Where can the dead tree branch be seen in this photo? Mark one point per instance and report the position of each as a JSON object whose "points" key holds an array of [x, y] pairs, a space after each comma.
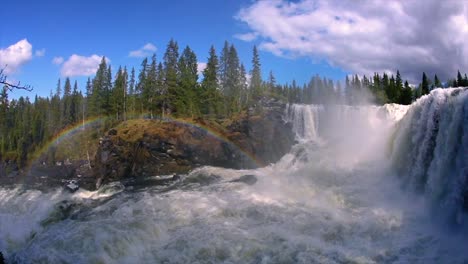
{"points": [[11, 86]]}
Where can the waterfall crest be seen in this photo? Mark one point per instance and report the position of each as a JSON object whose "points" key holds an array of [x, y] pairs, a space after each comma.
{"points": [[431, 149]]}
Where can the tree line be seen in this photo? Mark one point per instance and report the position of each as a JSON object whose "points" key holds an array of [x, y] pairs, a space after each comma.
{"points": [[172, 87]]}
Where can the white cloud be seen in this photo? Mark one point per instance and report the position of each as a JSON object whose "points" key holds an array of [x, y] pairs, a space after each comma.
{"points": [[57, 60], [247, 36], [15, 56], [365, 36], [200, 68], [147, 50], [40, 53], [78, 65]]}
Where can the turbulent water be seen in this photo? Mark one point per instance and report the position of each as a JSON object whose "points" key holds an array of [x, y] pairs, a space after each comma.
{"points": [[362, 185]]}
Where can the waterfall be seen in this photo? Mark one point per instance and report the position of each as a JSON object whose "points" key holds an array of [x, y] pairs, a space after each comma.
{"points": [[431, 150], [354, 134], [336, 197], [304, 119]]}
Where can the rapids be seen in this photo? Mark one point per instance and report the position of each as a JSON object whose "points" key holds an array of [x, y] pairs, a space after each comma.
{"points": [[363, 184]]}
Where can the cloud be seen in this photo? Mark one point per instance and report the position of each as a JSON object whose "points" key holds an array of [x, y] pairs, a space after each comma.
{"points": [[78, 65], [246, 37], [15, 56], [145, 51], [365, 36], [200, 68], [57, 60], [40, 53]]}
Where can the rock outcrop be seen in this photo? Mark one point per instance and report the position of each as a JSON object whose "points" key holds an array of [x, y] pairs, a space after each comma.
{"points": [[141, 148]]}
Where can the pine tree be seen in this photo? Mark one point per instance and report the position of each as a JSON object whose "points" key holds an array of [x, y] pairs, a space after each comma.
{"points": [[125, 93], [256, 80], [187, 102], [271, 83], [118, 94], [149, 87], [171, 70], [99, 93], [75, 102], [244, 97], [141, 84], [232, 87], [424, 85], [406, 95], [106, 106], [161, 90], [67, 120], [398, 86], [211, 98], [89, 92], [348, 91], [223, 67], [131, 93], [58, 91], [459, 80], [437, 83]]}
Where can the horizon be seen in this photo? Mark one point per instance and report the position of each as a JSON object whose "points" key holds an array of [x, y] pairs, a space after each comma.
{"points": [[296, 39]]}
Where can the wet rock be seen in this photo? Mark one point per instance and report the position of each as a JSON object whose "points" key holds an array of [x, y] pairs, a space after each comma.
{"points": [[112, 132], [153, 147], [247, 179], [72, 186]]}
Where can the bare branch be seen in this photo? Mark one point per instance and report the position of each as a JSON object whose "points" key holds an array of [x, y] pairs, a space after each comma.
{"points": [[10, 86]]}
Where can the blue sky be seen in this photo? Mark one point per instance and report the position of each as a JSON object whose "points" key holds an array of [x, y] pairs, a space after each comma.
{"points": [[113, 29], [296, 39]]}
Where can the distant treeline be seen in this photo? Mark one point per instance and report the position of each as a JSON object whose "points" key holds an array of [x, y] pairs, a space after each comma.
{"points": [[172, 87]]}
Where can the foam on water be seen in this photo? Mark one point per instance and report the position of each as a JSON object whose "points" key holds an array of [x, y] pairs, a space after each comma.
{"points": [[316, 205], [431, 151]]}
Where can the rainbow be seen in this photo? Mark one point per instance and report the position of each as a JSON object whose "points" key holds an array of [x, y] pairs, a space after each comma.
{"points": [[71, 130], [221, 138], [66, 132]]}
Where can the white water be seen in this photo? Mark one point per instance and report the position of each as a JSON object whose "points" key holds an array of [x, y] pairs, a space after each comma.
{"points": [[431, 151], [334, 198]]}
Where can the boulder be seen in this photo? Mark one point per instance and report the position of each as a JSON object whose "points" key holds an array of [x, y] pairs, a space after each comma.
{"points": [[143, 148]]}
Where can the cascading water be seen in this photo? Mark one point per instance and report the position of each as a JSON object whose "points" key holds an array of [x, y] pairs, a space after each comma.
{"points": [[305, 120], [333, 199], [431, 150]]}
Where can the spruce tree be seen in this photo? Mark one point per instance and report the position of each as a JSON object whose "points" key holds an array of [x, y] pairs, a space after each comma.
{"points": [[99, 85], [131, 93], [406, 95], [118, 94], [271, 83], [348, 91], [437, 83], [459, 79], [256, 79], [171, 70], [74, 108], [141, 84], [232, 86], [211, 99], [187, 101], [66, 101], [89, 92], [223, 67], [398, 86], [149, 87], [424, 85], [161, 90], [244, 98]]}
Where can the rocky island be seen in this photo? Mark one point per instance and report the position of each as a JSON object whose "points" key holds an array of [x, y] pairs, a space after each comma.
{"points": [[140, 148]]}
